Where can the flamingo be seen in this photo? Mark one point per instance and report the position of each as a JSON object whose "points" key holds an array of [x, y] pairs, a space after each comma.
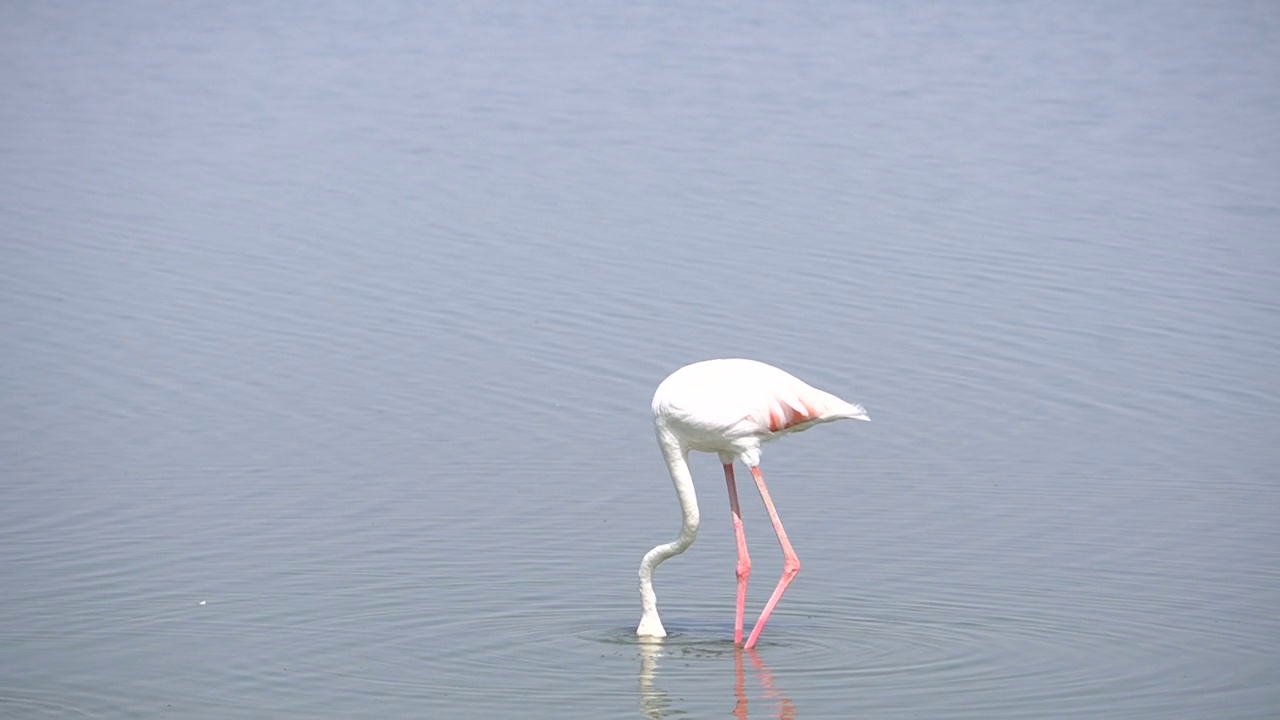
{"points": [[730, 407]]}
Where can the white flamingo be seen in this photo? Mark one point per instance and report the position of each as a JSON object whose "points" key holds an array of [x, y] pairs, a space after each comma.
{"points": [[730, 407]]}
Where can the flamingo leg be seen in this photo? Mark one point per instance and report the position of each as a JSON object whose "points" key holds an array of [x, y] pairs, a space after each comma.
{"points": [[790, 563], [744, 559]]}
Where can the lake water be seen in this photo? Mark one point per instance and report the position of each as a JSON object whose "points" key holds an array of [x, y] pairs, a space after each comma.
{"points": [[330, 330]]}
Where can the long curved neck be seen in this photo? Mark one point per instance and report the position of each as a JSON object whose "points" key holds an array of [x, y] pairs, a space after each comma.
{"points": [[675, 455]]}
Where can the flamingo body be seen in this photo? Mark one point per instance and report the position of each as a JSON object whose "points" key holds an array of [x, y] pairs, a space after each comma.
{"points": [[730, 407]]}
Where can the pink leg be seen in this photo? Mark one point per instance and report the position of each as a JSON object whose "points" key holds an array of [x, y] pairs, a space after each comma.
{"points": [[744, 560], [790, 563]]}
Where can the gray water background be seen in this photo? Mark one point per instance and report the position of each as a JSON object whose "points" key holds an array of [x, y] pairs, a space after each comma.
{"points": [[329, 333]]}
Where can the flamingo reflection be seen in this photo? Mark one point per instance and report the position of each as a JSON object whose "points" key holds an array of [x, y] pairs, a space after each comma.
{"points": [[656, 703]]}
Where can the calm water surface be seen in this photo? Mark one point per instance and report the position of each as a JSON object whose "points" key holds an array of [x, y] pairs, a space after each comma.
{"points": [[329, 335]]}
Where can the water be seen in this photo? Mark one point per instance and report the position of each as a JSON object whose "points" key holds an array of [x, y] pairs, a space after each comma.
{"points": [[329, 338]]}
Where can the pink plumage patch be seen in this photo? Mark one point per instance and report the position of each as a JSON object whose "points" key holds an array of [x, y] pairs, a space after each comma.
{"points": [[788, 413]]}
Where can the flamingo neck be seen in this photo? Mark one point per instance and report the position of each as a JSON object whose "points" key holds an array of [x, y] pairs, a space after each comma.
{"points": [[676, 457]]}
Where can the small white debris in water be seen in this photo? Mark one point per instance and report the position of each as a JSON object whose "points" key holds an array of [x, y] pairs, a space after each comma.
{"points": [[201, 602]]}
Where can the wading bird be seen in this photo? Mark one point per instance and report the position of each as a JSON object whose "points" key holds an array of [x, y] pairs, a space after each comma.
{"points": [[730, 407]]}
